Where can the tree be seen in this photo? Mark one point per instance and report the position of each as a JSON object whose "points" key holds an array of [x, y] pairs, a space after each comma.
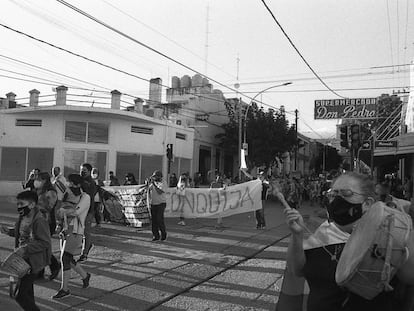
{"points": [[268, 134]]}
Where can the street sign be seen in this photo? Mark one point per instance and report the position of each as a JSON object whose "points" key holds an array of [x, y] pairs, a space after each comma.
{"points": [[366, 145], [385, 144], [349, 108]]}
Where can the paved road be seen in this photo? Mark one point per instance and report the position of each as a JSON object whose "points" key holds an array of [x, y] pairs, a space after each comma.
{"points": [[197, 268]]}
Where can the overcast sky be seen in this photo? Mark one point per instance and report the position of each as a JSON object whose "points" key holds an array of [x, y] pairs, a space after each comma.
{"points": [[343, 38]]}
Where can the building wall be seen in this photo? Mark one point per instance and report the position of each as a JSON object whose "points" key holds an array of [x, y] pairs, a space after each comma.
{"points": [[120, 139], [203, 108]]}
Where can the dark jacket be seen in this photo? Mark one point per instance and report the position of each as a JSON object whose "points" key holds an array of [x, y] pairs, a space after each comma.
{"points": [[38, 249], [90, 187]]}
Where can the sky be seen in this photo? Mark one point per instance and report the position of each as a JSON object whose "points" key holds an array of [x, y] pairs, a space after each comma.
{"points": [[360, 48]]}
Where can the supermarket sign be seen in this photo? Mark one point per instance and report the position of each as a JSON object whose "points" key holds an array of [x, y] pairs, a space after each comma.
{"points": [[350, 108]]}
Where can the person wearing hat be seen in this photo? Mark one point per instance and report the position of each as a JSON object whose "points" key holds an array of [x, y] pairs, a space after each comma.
{"points": [[157, 200]]}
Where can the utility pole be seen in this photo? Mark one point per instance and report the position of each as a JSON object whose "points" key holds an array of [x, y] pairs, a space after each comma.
{"points": [[296, 138], [206, 45], [240, 135]]}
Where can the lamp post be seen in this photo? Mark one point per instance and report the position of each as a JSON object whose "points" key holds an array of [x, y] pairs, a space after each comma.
{"points": [[251, 102]]}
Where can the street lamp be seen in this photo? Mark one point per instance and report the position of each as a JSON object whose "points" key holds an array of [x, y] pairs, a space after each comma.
{"points": [[251, 102]]}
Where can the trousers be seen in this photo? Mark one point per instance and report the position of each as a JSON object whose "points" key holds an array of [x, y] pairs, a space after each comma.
{"points": [[25, 294], [158, 224]]}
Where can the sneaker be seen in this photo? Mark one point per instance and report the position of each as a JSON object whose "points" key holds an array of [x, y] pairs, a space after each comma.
{"points": [[181, 223], [163, 238], [85, 281], [155, 239], [61, 293]]}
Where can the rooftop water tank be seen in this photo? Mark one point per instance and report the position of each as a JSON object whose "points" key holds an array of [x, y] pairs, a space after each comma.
{"points": [[175, 82], [186, 81], [197, 80], [205, 81]]}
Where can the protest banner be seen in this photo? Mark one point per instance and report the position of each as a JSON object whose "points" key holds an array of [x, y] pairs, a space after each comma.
{"points": [[132, 200], [191, 203], [214, 203]]}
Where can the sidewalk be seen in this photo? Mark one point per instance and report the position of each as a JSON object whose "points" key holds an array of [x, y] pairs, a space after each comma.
{"points": [[197, 268]]}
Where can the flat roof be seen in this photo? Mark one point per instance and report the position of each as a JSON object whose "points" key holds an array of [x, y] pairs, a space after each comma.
{"points": [[114, 113]]}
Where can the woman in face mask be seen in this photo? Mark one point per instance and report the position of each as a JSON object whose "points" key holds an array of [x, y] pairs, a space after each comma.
{"points": [[71, 238], [316, 258], [43, 186]]}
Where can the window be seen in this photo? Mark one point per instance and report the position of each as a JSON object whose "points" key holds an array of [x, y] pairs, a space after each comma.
{"points": [[180, 166], [28, 122], [86, 132], [142, 166], [185, 165], [73, 159], [13, 164], [75, 131], [17, 162], [97, 133], [127, 163], [142, 130], [150, 163], [180, 136], [98, 159], [41, 158]]}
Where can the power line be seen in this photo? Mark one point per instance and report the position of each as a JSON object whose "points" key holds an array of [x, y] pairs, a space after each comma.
{"points": [[287, 76], [51, 71], [165, 37], [30, 76], [296, 49], [327, 77], [95, 40], [344, 89], [145, 45], [114, 68]]}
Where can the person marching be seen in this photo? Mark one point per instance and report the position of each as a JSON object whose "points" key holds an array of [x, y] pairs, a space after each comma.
{"points": [[59, 182], [71, 238], [181, 185], [32, 243], [316, 258], [43, 188], [260, 218], [157, 199], [98, 196], [88, 186]]}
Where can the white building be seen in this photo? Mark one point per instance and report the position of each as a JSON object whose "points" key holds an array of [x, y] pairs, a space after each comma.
{"points": [[66, 136], [194, 103]]}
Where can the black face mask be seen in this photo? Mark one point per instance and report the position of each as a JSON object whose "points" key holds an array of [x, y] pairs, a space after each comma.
{"points": [[75, 190], [344, 213], [383, 197], [24, 210]]}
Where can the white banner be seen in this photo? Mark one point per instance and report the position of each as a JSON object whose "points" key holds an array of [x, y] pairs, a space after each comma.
{"points": [[216, 202], [194, 202]]}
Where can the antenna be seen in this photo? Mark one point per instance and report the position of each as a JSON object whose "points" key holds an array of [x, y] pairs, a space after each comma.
{"points": [[206, 43]]}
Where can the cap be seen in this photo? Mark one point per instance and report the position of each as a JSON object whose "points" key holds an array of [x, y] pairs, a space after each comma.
{"points": [[157, 173]]}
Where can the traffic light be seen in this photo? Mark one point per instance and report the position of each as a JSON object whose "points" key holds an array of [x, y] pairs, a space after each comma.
{"points": [[344, 136], [169, 151], [355, 136]]}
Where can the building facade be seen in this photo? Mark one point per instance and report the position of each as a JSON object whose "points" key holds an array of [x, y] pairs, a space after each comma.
{"points": [[64, 135], [192, 102]]}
